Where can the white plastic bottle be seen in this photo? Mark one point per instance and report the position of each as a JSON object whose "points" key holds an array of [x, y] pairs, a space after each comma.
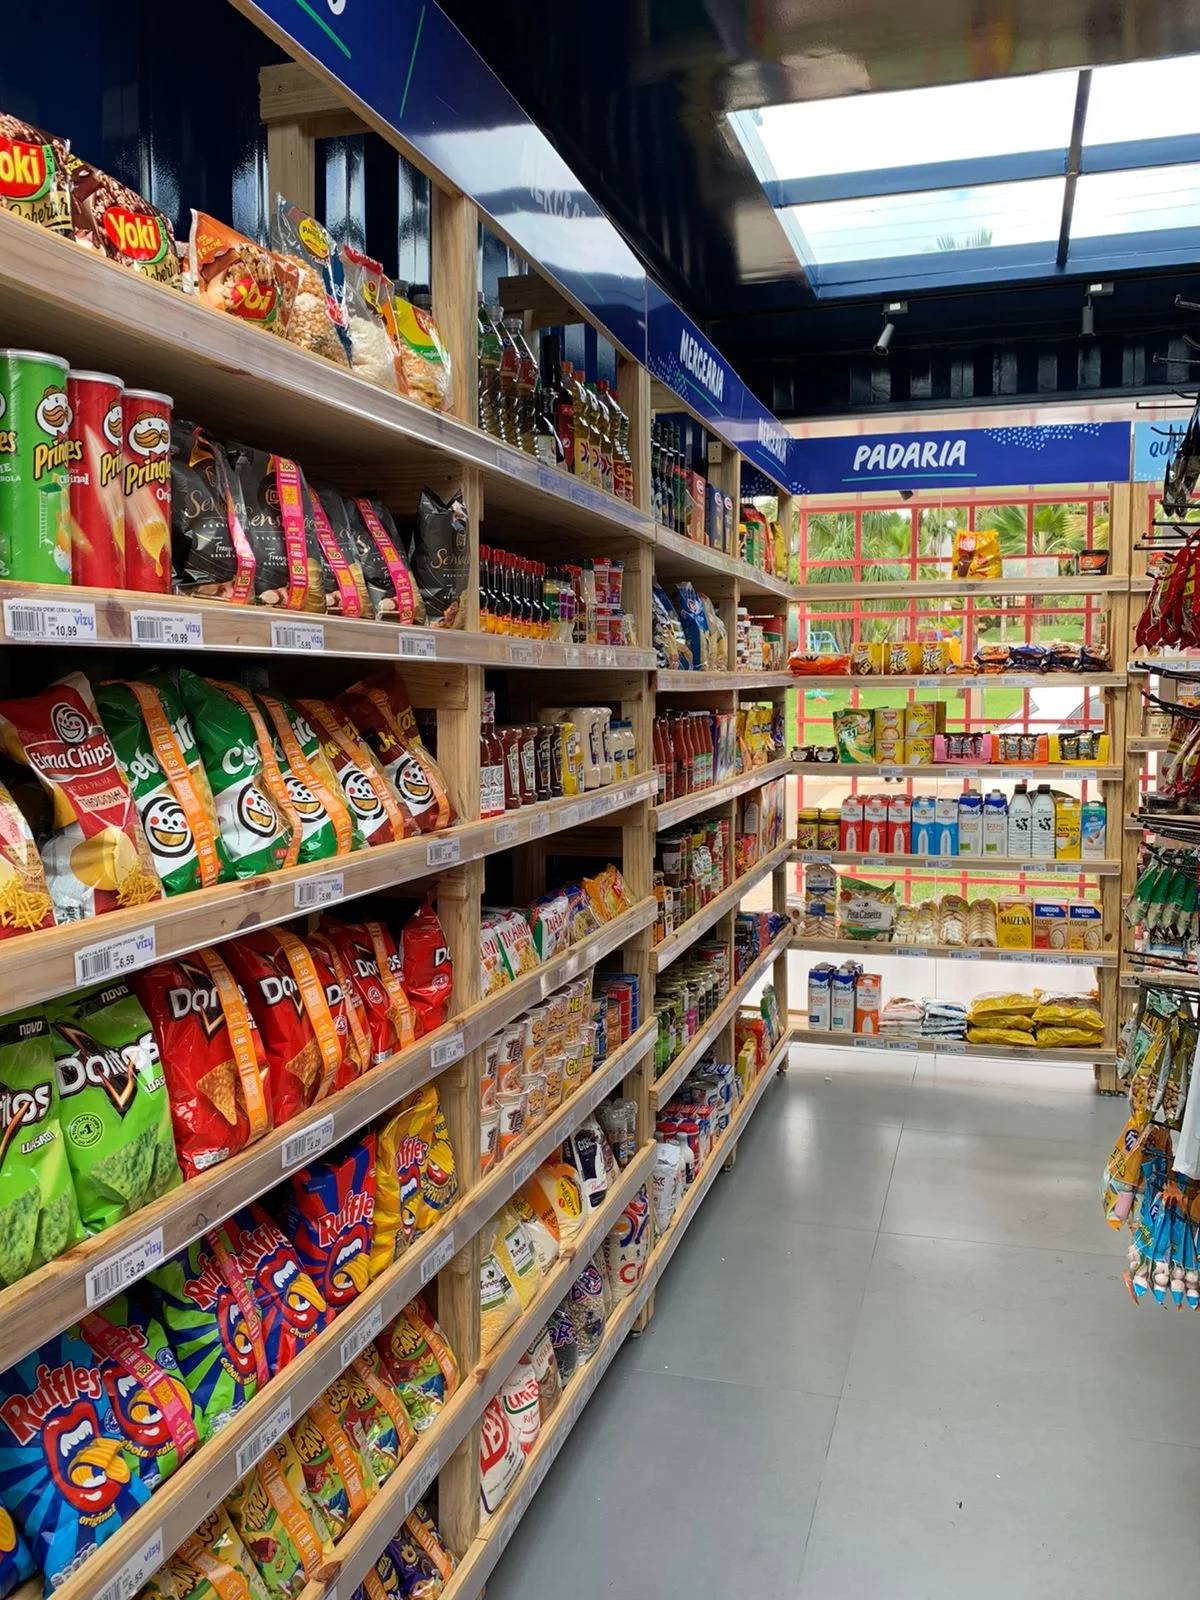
{"points": [[1020, 825], [1042, 825]]}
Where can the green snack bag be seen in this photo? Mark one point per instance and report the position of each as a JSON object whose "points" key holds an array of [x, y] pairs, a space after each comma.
{"points": [[116, 1118], [39, 1215], [255, 815], [316, 803]]}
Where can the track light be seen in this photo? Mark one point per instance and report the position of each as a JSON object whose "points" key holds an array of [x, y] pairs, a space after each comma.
{"points": [[891, 309], [1087, 316]]}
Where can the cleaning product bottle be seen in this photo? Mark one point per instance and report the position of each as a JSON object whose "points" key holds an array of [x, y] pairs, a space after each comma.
{"points": [[1020, 825], [1042, 826]]}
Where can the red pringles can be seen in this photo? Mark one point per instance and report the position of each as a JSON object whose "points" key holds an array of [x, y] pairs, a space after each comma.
{"points": [[97, 486], [147, 483]]}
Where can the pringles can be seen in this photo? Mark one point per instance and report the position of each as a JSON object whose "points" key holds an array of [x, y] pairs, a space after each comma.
{"points": [[147, 485], [35, 449], [97, 487]]}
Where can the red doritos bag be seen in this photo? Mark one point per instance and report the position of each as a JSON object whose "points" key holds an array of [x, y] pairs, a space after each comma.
{"points": [[373, 962], [428, 973], [290, 1306], [285, 994], [212, 1054], [382, 711], [331, 1208], [346, 1007]]}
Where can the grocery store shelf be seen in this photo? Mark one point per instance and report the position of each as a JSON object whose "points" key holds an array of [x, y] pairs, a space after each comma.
{"points": [[42, 964], [1146, 746], [958, 864], [910, 1043], [678, 557], [669, 950], [747, 683], [949, 952], [1147, 664], [1164, 977], [666, 1083], [959, 680], [809, 594], [691, 805], [1080, 772], [165, 622]]}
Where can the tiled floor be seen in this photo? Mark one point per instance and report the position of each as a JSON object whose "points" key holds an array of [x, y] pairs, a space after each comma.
{"points": [[893, 1358]]}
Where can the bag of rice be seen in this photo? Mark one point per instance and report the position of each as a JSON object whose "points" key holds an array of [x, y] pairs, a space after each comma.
{"points": [[541, 1228], [368, 300], [627, 1248], [39, 1214], [500, 1457], [499, 1302], [585, 1307], [555, 1195], [519, 1397], [561, 1329]]}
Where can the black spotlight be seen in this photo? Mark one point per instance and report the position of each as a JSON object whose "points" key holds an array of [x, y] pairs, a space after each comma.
{"points": [[891, 310]]}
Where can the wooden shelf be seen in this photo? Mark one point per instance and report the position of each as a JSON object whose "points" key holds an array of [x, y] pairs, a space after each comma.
{"points": [[915, 1044], [1140, 746], [809, 594], [678, 557], [958, 864], [669, 950], [958, 680], [691, 805], [744, 683], [884, 769], [43, 964], [950, 952]]}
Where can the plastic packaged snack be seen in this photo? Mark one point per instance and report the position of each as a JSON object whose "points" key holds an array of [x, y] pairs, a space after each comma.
{"points": [[423, 360], [39, 1214], [330, 1215], [550, 924], [372, 964], [519, 1397], [318, 321], [360, 1409], [370, 1376], [419, 1362], [291, 1308], [233, 274], [440, 558], [420, 1527], [372, 802], [333, 1468], [669, 641], [428, 973], [284, 991], [35, 185], [211, 555], [326, 824], [346, 1008], [380, 708], [694, 620], [16, 1563], [279, 1535], [341, 573], [25, 903], [281, 529], [117, 223], [855, 734], [391, 588], [213, 1561], [415, 1180]]}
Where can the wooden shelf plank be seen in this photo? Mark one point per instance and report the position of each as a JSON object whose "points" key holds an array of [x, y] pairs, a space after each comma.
{"points": [[1080, 772], [746, 683], [958, 680], [914, 1043], [957, 864], [677, 556], [669, 950], [810, 594], [869, 947], [691, 805]]}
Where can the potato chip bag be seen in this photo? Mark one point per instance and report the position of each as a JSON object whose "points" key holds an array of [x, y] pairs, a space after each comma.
{"points": [[16, 1563], [113, 1106], [416, 1576], [420, 1527], [341, 573], [283, 1475], [331, 1206], [64, 1475], [149, 1399], [419, 1362], [39, 1214], [25, 903], [415, 1180], [380, 708], [333, 1469], [392, 590], [367, 1421], [216, 1562], [290, 1306], [286, 1535], [367, 953], [241, 278], [427, 969], [372, 801], [212, 1057], [367, 1369], [381, 1582], [284, 992], [96, 858], [328, 825]]}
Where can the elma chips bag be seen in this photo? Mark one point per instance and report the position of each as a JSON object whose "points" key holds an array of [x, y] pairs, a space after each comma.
{"points": [[328, 825], [213, 1562], [415, 1180], [331, 1208], [346, 1007], [379, 706], [372, 962], [39, 1215], [290, 1305], [372, 801], [333, 1468], [16, 1563], [419, 1362]]}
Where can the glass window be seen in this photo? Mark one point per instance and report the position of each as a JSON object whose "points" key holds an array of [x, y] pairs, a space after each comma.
{"points": [[1139, 201], [1144, 100]]}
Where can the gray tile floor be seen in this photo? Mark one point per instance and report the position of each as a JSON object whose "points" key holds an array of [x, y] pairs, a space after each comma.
{"points": [[890, 1359]]}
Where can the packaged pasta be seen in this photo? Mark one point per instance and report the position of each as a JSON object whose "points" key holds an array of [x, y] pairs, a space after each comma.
{"points": [[318, 320], [25, 903], [415, 1181], [39, 1214], [234, 275]]}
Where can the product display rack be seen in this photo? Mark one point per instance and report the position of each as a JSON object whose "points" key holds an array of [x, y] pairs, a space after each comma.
{"points": [[914, 1043], [956, 865]]}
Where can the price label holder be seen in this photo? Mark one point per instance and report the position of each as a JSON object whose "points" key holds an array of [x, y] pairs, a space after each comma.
{"points": [[965, 955], [504, 833], [126, 953], [1016, 955], [522, 655], [144, 1562], [447, 1051], [170, 630], [50, 622], [124, 1268], [816, 858], [298, 637], [325, 890], [355, 1343], [420, 1484], [929, 683], [418, 647], [307, 1143], [891, 770], [873, 861], [539, 826], [1085, 774], [437, 1258], [254, 1447], [442, 853], [524, 1170], [911, 950], [570, 655], [951, 1047]]}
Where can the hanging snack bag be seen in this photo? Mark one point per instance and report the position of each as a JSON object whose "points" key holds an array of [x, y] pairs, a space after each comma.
{"points": [[424, 361], [117, 223], [316, 772], [154, 1412], [345, 1007], [415, 1576], [63, 1472], [282, 1474], [266, 1532], [415, 1180], [326, 828], [157, 753], [331, 1208], [213, 1562], [393, 595], [366, 951], [372, 802], [500, 1457], [211, 554], [370, 320], [212, 1057], [39, 1215], [341, 575], [280, 528], [33, 181], [285, 994], [25, 903], [96, 858], [379, 706], [251, 798], [419, 1362], [367, 1372], [428, 971], [420, 1527], [234, 275], [333, 1468], [115, 1115], [440, 558], [318, 320], [290, 1307]]}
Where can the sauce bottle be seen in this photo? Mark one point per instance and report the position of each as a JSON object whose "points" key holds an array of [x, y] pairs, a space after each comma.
{"points": [[512, 768], [527, 744], [564, 414], [491, 773]]}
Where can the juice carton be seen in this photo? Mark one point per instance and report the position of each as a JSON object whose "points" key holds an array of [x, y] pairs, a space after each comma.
{"points": [[995, 824], [875, 825], [1083, 926], [899, 834], [867, 1001]]}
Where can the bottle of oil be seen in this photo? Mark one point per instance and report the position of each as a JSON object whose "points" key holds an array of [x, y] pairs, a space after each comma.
{"points": [[510, 362], [525, 408], [490, 351], [604, 432]]}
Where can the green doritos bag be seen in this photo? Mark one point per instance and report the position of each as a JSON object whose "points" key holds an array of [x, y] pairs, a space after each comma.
{"points": [[116, 1118], [156, 749], [258, 823], [39, 1215]]}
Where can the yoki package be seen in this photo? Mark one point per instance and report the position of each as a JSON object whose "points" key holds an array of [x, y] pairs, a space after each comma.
{"points": [[284, 991], [326, 825], [337, 1477], [233, 274], [39, 1215], [428, 972], [213, 1562], [500, 1457], [626, 1248], [64, 1474], [391, 589], [25, 903], [331, 1207], [154, 1412], [424, 361], [290, 1306], [212, 1322], [369, 316], [211, 554], [279, 1523], [96, 857], [113, 1106], [318, 320], [281, 529], [419, 1362], [415, 1181], [258, 824], [372, 963], [212, 1057], [365, 1420], [372, 802], [440, 558], [156, 750], [379, 706], [346, 1007], [34, 185], [117, 223]]}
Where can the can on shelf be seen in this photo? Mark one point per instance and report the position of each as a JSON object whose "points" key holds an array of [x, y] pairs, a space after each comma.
{"points": [[35, 449], [97, 495], [146, 418]]}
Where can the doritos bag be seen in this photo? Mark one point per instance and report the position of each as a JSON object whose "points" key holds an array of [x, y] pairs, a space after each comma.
{"points": [[346, 1007], [154, 1412], [333, 1468], [331, 1206], [212, 1056], [373, 963], [415, 1181], [428, 972], [290, 1306], [63, 1472], [284, 992], [370, 797], [39, 1215], [380, 708], [329, 826], [419, 1362], [116, 1117]]}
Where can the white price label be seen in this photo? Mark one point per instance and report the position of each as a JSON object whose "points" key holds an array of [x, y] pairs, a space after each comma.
{"points": [[1085, 774], [447, 1051], [49, 622], [1018, 680], [964, 955], [1016, 955], [1087, 959], [174, 630], [442, 853], [525, 1169], [326, 890], [115, 1274], [521, 655], [504, 833], [864, 1044], [539, 826], [572, 816], [421, 1482], [355, 1343], [930, 683], [140, 1566], [417, 647], [308, 638], [911, 950], [938, 862], [264, 1436], [897, 1044], [890, 770], [108, 960], [437, 1259], [308, 1142], [571, 655], [874, 861], [952, 1047], [816, 858]]}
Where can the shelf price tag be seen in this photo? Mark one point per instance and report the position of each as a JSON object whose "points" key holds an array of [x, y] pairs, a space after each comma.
{"points": [[421, 1482], [873, 861], [442, 853], [504, 833], [1016, 955], [539, 826], [308, 1142], [521, 655], [417, 648], [447, 1051], [50, 622], [326, 890], [525, 1169], [175, 630], [930, 683], [119, 1271], [264, 1436], [305, 638], [890, 770], [964, 955], [911, 950], [1085, 774], [437, 1259], [124, 954], [355, 1343], [896, 1044], [136, 1570], [951, 1047], [816, 858]]}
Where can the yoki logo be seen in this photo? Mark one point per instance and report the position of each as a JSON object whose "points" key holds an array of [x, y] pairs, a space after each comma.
{"points": [[302, 797], [58, 1389], [250, 299], [54, 418], [357, 1208], [139, 237], [24, 169]]}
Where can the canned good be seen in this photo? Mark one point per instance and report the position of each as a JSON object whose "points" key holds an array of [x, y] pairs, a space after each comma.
{"points": [[808, 828], [35, 449], [97, 496], [146, 418]]}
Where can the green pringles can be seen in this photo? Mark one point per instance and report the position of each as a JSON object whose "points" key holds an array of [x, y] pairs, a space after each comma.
{"points": [[35, 467]]}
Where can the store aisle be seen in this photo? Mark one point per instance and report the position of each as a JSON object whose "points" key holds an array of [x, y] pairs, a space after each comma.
{"points": [[892, 1358]]}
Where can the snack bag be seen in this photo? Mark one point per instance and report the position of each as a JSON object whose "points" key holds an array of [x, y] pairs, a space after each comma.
{"points": [[333, 1468], [379, 706], [215, 1563], [341, 571], [211, 554], [96, 857], [285, 995], [345, 1007], [372, 802], [367, 1422], [154, 1412], [318, 320], [440, 558], [373, 964], [368, 1375], [212, 1057], [424, 361], [64, 1475], [282, 1474], [263, 1530], [326, 826], [368, 298], [420, 1527], [428, 972], [34, 185], [233, 274], [290, 1306], [419, 1362], [117, 223], [16, 1563], [331, 1206], [25, 903], [391, 588], [416, 1573], [415, 1181], [115, 1115], [39, 1214], [281, 529]]}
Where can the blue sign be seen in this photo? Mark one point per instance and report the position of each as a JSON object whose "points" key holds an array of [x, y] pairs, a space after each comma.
{"points": [[1063, 452], [1154, 443]]}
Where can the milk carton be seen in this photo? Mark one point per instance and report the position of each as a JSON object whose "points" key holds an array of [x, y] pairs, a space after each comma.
{"points": [[852, 824], [899, 834], [923, 834], [1067, 827], [1092, 827], [841, 1000], [945, 838], [995, 824], [820, 983], [875, 825], [970, 823], [867, 1001]]}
